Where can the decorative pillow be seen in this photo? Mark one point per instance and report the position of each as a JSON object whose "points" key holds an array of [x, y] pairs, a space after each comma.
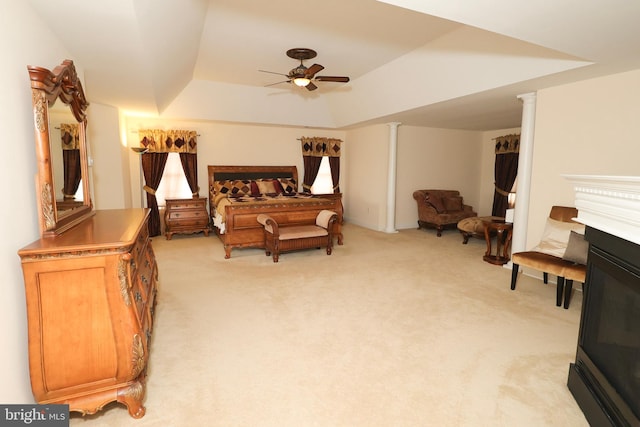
{"points": [[266, 186], [436, 202], [577, 249], [278, 186], [218, 187], [556, 237], [288, 185], [452, 204], [233, 187], [255, 191]]}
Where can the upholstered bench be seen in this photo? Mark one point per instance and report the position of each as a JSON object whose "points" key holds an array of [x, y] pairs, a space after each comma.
{"points": [[474, 226], [279, 238]]}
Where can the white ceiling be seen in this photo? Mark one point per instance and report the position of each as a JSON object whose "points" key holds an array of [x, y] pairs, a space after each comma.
{"points": [[455, 64]]}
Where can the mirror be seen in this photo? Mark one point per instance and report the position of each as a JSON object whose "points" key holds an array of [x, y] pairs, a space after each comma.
{"points": [[59, 109]]}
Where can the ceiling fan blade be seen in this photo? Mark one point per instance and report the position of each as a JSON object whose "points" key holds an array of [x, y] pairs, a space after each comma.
{"points": [[311, 71], [277, 83], [332, 79], [272, 72], [311, 86]]}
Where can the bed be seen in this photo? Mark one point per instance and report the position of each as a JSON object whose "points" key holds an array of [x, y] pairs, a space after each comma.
{"points": [[238, 194]]}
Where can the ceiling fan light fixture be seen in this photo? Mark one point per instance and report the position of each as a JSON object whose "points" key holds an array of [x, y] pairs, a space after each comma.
{"points": [[301, 81]]}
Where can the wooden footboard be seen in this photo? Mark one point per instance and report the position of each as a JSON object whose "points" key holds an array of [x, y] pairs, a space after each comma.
{"points": [[244, 231]]}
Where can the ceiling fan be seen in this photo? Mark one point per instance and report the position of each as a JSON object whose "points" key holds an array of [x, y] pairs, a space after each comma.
{"points": [[302, 76]]}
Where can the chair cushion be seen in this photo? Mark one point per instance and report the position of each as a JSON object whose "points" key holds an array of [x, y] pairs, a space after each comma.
{"points": [[556, 237], [577, 249], [301, 232], [540, 261]]}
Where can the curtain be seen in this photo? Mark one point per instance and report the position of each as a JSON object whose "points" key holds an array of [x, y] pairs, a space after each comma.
{"points": [[153, 167], [190, 167], [70, 139], [311, 168], [159, 143], [169, 141], [505, 171], [313, 149], [334, 163], [72, 173]]}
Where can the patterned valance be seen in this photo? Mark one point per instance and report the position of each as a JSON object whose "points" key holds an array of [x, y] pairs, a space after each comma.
{"points": [[319, 146], [508, 144], [169, 141], [69, 136]]}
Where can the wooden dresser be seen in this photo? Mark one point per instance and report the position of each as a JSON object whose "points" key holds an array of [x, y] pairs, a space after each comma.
{"points": [[90, 303], [186, 216]]}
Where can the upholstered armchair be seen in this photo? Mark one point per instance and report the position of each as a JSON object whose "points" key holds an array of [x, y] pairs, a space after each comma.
{"points": [[441, 209]]}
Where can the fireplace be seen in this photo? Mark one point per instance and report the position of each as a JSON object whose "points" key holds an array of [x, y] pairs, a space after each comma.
{"points": [[605, 378]]}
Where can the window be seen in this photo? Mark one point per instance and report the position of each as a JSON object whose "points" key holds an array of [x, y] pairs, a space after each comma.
{"points": [[323, 183], [173, 184]]}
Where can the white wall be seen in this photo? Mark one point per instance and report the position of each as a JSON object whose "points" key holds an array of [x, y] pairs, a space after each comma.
{"points": [[110, 169], [367, 167], [431, 158], [24, 40], [426, 158], [589, 127]]}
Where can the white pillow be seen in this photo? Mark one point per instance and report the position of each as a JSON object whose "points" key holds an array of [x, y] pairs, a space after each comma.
{"points": [[556, 237]]}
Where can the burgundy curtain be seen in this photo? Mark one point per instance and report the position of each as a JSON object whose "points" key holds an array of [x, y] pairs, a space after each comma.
{"points": [[334, 164], [190, 167], [506, 170], [311, 168], [152, 167], [72, 173]]}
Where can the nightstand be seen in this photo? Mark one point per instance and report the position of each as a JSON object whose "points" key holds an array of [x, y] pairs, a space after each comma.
{"points": [[186, 216]]}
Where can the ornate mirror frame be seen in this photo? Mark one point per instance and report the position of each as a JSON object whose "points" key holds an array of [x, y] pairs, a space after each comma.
{"points": [[47, 87]]}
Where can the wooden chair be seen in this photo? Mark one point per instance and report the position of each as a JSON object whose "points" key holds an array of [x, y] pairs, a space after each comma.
{"points": [[566, 271], [279, 239]]}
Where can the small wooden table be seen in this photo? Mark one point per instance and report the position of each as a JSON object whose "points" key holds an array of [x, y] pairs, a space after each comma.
{"points": [[503, 232]]}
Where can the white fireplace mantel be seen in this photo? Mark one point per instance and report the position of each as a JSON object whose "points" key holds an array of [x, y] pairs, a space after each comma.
{"points": [[609, 203]]}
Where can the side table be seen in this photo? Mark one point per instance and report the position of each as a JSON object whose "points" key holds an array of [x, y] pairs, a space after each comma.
{"points": [[186, 216], [503, 232]]}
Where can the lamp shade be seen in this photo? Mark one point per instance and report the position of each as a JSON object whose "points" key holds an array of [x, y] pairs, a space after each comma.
{"points": [[301, 81]]}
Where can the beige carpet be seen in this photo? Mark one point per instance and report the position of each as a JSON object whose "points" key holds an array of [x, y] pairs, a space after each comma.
{"points": [[402, 329]]}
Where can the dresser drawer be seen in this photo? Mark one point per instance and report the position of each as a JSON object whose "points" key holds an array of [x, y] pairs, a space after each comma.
{"points": [[179, 204], [187, 214], [188, 204]]}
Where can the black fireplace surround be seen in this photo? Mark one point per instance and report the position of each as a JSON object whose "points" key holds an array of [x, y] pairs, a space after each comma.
{"points": [[605, 378]]}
